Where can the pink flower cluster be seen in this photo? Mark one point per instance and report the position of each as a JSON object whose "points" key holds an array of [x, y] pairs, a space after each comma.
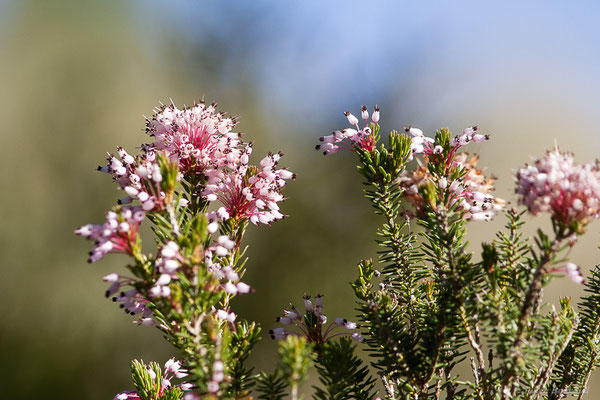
{"points": [[352, 138], [565, 189], [172, 370], [139, 177], [472, 192], [312, 324], [117, 235], [217, 377], [247, 191], [197, 137], [132, 301], [421, 144], [167, 264], [218, 259]]}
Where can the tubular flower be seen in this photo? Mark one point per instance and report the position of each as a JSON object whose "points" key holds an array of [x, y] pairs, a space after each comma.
{"points": [[197, 137], [421, 144], [352, 138], [472, 192], [312, 324], [139, 177], [247, 191], [219, 259], [167, 265], [119, 234], [572, 270], [556, 184], [172, 370], [132, 301]]}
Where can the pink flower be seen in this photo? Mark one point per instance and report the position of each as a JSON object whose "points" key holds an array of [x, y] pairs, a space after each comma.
{"points": [[197, 137], [556, 184], [352, 138], [119, 234], [247, 191], [572, 270], [139, 177], [312, 324], [473, 192], [421, 144], [172, 369]]}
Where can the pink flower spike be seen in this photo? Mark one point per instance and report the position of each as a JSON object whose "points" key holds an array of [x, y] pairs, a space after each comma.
{"points": [[117, 235], [568, 191], [198, 138], [246, 191], [311, 324]]}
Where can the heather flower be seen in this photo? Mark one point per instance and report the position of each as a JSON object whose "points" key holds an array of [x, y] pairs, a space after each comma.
{"points": [[572, 270], [197, 137], [172, 369], [313, 324], [472, 192], [352, 138], [131, 300], [140, 178], [247, 191], [119, 234], [217, 377], [225, 315], [214, 219], [219, 259], [421, 144], [166, 264], [556, 184]]}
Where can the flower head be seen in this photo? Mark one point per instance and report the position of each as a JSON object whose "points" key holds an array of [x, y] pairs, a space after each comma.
{"points": [[556, 184], [140, 177], [352, 138], [161, 383], [472, 192], [421, 144], [247, 191], [313, 323], [197, 137], [119, 234]]}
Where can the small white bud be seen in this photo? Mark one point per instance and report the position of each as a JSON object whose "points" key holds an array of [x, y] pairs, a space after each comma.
{"points": [[212, 227], [443, 183], [352, 120], [111, 277], [243, 287], [375, 115], [364, 114], [163, 280]]}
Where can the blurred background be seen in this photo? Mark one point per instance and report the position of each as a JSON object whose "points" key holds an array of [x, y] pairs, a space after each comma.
{"points": [[77, 76]]}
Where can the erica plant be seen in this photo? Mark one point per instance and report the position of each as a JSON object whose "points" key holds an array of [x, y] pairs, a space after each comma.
{"points": [[425, 307], [194, 159]]}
